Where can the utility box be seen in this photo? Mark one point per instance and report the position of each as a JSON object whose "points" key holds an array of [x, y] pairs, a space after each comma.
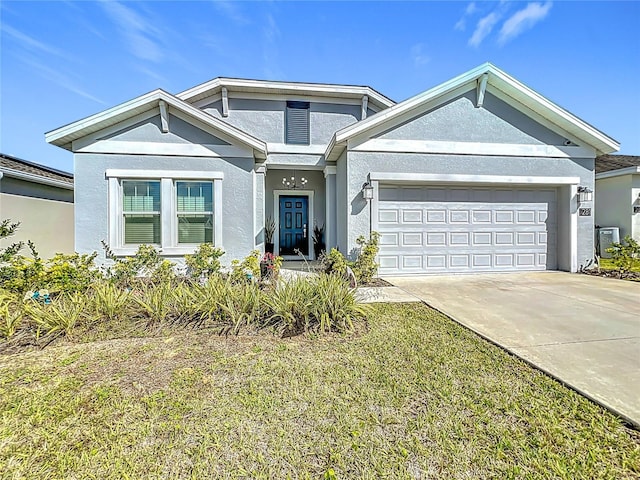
{"points": [[606, 237]]}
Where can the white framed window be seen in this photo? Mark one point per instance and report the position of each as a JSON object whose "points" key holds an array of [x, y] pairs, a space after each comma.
{"points": [[172, 210]]}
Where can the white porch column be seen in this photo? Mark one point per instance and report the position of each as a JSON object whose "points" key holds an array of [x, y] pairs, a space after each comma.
{"points": [[259, 198], [330, 233]]}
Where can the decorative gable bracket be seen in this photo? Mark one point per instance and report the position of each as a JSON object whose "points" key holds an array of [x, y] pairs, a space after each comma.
{"points": [[164, 116]]}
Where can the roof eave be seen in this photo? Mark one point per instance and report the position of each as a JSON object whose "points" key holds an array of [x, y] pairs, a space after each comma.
{"points": [[618, 172], [9, 172]]}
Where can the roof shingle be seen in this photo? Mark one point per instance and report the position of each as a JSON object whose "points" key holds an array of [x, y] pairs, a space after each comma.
{"points": [[19, 165], [608, 163]]}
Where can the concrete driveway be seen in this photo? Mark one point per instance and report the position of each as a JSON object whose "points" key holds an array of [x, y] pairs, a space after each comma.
{"points": [[580, 329]]}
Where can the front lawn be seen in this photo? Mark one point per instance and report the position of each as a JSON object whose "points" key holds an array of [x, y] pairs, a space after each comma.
{"points": [[413, 395]]}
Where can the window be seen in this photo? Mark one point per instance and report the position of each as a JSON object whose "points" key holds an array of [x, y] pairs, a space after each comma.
{"points": [[195, 212], [297, 119], [141, 212], [173, 210]]}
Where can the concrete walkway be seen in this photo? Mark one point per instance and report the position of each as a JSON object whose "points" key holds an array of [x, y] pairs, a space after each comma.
{"points": [[581, 329]]}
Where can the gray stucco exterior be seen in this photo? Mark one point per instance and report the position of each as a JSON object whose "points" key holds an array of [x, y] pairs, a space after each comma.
{"points": [[458, 141]]}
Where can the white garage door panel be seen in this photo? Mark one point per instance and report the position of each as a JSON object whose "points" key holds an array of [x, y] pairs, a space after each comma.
{"points": [[454, 229]]}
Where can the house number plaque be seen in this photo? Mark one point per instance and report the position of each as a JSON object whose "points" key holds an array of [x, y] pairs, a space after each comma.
{"points": [[584, 212]]}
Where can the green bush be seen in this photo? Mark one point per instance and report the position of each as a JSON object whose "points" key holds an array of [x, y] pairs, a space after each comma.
{"points": [[625, 255], [205, 261], [335, 262], [23, 273], [6, 230], [146, 263], [71, 273], [248, 266], [365, 266]]}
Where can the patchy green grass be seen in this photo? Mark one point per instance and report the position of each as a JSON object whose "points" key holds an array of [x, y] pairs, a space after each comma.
{"points": [[413, 396]]}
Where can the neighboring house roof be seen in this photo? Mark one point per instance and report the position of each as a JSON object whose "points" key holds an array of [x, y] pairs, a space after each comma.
{"points": [[21, 169], [64, 136], [214, 87], [497, 81], [614, 165]]}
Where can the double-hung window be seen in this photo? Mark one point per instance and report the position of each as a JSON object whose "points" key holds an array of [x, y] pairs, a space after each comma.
{"points": [[195, 212], [174, 210]]}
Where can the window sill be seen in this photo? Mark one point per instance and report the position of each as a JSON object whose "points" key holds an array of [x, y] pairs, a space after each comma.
{"points": [[163, 252]]}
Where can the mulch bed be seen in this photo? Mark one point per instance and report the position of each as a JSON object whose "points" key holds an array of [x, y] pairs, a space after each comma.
{"points": [[599, 272]]}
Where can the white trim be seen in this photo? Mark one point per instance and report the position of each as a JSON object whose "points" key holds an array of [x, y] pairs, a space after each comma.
{"points": [[518, 95], [175, 174], [225, 102], [76, 145], [487, 179], [164, 116], [310, 220], [63, 136], [573, 219], [168, 211], [471, 148], [166, 149], [330, 170], [239, 87], [275, 148], [620, 171], [374, 205], [365, 102], [30, 177], [482, 88]]}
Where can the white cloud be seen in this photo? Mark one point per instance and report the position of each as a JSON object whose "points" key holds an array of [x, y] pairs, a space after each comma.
{"points": [[271, 34], [31, 43], [418, 55], [483, 28], [462, 23], [141, 36], [231, 11], [523, 20]]}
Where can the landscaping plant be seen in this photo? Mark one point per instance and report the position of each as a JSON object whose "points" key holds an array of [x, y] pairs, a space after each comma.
{"points": [[59, 317], [204, 262], [10, 314], [109, 301], [625, 255], [365, 266]]}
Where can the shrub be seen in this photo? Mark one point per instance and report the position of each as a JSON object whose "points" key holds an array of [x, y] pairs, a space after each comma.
{"points": [[204, 261], [153, 302], [242, 306], [334, 306], [365, 266], [23, 273], [71, 273], [625, 255], [249, 266], [109, 301], [335, 262], [145, 263], [270, 266], [288, 306], [10, 314], [59, 317]]}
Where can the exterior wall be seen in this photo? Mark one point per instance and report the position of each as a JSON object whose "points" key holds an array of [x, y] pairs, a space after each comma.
{"points": [[48, 223], [460, 121], [265, 119], [360, 164], [92, 202], [151, 131], [24, 188], [614, 203]]}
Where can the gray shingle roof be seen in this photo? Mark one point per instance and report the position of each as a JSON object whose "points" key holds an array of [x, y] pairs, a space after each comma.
{"points": [[608, 163], [19, 165]]}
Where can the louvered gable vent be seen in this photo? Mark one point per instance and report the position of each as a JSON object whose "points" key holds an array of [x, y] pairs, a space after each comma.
{"points": [[297, 123]]}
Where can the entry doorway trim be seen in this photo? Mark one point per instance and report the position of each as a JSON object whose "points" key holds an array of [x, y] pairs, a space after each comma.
{"points": [[276, 214]]}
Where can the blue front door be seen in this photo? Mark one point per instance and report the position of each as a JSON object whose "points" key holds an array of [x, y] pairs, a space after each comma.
{"points": [[294, 227]]}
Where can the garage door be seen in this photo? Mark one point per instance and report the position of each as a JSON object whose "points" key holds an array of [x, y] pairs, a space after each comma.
{"points": [[453, 229]]}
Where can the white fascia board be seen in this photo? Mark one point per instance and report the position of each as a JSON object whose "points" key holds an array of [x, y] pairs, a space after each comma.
{"points": [[294, 88], [484, 179], [500, 80], [123, 111], [617, 173], [297, 149], [9, 172]]}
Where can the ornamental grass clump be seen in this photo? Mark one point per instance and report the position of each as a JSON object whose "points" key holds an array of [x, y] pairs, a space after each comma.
{"points": [[109, 301], [334, 306], [60, 317], [11, 313]]}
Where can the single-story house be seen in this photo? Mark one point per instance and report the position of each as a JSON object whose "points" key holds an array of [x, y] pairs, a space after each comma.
{"points": [[617, 199], [41, 199], [478, 174]]}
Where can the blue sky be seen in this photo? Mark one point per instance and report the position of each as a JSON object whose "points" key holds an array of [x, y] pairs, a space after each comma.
{"points": [[62, 61]]}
